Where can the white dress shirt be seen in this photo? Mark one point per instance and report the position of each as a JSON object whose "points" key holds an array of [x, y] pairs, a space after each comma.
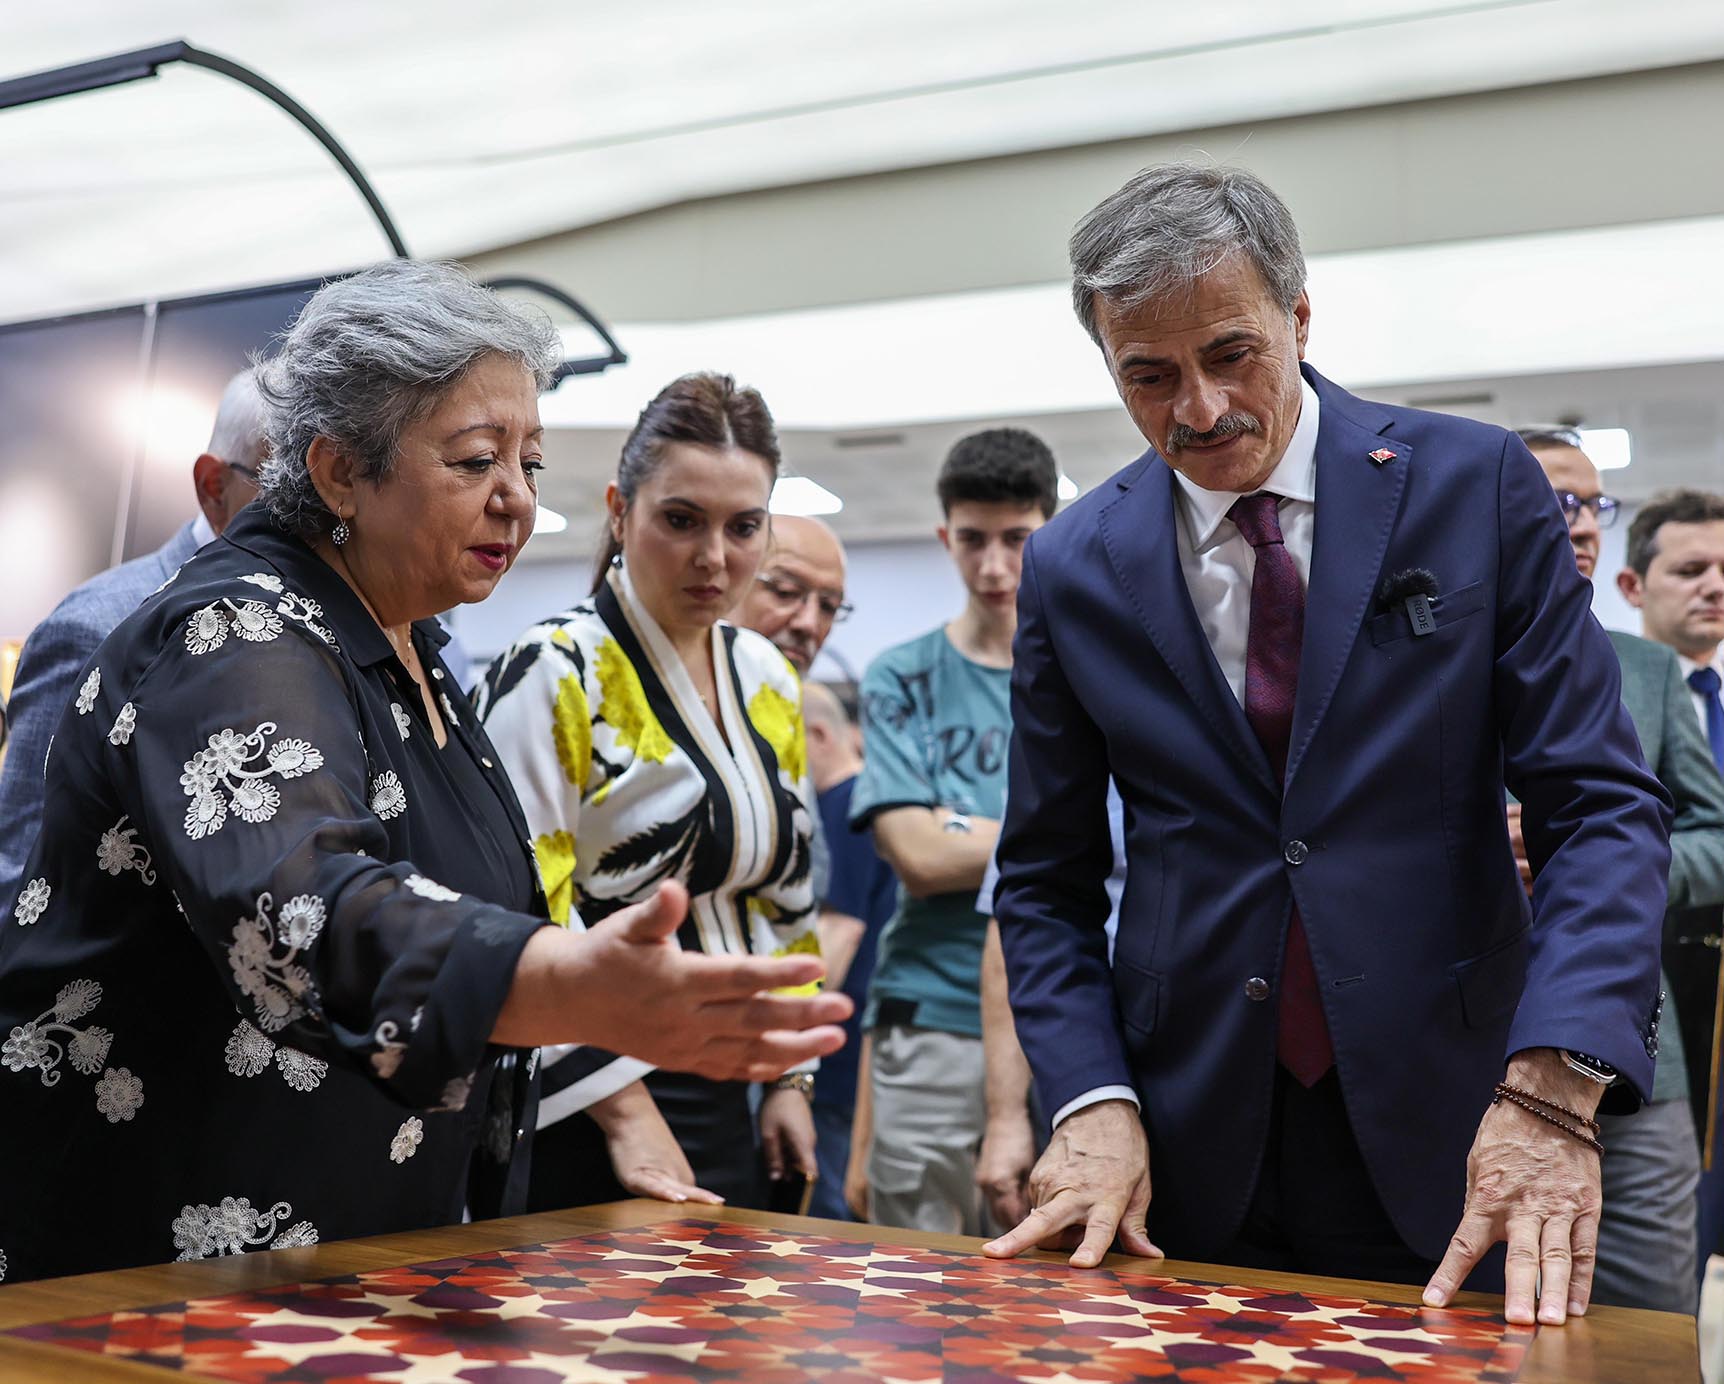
{"points": [[1218, 564]]}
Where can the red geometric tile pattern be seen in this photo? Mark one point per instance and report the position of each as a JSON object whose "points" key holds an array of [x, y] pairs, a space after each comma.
{"points": [[694, 1302]]}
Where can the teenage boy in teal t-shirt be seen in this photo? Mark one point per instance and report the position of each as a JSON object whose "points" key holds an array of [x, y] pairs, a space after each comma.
{"points": [[936, 724]]}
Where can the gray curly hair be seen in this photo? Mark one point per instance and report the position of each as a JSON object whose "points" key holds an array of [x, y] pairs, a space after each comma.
{"points": [[370, 354], [1169, 226]]}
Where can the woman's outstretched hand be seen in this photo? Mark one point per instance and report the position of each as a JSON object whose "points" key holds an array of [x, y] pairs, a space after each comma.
{"points": [[627, 986]]}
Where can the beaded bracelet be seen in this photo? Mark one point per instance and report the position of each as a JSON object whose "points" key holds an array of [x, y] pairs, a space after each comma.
{"points": [[1541, 1108]]}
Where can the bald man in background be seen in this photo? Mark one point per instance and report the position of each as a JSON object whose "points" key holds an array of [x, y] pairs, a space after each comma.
{"points": [[799, 594], [224, 478]]}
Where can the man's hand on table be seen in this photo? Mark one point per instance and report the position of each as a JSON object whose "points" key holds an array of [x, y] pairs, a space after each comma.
{"points": [[1095, 1174], [1536, 1187]]}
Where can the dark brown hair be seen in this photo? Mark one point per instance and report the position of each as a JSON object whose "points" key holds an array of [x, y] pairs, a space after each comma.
{"points": [[1669, 507], [706, 410]]}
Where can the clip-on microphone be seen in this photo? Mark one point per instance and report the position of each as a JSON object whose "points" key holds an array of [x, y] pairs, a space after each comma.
{"points": [[1414, 590]]}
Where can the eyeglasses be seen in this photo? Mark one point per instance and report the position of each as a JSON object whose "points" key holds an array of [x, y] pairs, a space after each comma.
{"points": [[1604, 507], [790, 593], [249, 472]]}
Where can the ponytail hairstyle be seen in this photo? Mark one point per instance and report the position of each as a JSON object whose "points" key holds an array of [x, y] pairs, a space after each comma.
{"points": [[703, 410]]}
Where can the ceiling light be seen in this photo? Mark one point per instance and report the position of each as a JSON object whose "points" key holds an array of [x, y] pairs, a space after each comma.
{"points": [[1608, 449], [549, 521], [1067, 488], [799, 495]]}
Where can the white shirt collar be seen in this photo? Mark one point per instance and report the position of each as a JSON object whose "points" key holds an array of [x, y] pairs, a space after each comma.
{"points": [[1688, 665], [1294, 478], [202, 533]]}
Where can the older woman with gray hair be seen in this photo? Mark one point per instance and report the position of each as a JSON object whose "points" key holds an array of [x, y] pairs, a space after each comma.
{"points": [[280, 950]]}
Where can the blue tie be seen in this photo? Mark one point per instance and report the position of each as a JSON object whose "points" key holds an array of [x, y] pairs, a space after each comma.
{"points": [[1706, 682]]}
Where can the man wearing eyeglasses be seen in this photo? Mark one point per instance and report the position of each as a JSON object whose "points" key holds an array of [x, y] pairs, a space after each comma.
{"points": [[224, 478], [1647, 1231], [799, 595]]}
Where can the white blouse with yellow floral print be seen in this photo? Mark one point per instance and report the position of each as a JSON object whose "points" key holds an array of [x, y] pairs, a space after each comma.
{"points": [[627, 781]]}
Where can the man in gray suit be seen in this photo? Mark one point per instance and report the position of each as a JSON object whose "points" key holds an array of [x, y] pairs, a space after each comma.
{"points": [[1647, 1233], [225, 479]]}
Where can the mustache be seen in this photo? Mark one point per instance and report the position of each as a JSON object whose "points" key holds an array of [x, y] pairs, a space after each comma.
{"points": [[1228, 425]]}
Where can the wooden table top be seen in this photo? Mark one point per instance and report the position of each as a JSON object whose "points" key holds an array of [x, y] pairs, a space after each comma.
{"points": [[1610, 1345]]}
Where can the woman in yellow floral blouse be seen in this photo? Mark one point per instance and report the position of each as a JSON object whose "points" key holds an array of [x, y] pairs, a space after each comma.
{"points": [[649, 740]]}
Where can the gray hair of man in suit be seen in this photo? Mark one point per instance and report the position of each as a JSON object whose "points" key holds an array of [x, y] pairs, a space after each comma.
{"points": [[225, 474], [1171, 224]]}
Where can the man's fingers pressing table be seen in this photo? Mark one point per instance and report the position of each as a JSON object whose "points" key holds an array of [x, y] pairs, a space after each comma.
{"points": [[1043, 1223], [1466, 1247]]}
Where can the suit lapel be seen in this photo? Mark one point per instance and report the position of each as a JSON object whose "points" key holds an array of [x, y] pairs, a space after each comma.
{"points": [[1358, 499], [1138, 531]]}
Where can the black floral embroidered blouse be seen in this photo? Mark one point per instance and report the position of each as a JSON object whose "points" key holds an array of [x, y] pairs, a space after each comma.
{"points": [[265, 931]]}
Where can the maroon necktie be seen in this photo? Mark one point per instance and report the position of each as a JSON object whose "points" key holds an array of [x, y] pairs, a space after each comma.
{"points": [[1271, 680]]}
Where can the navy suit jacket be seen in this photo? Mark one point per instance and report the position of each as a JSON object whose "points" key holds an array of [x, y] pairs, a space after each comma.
{"points": [[49, 671], [1389, 833]]}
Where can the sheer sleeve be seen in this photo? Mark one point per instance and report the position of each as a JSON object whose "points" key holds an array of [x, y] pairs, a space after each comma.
{"points": [[243, 760]]}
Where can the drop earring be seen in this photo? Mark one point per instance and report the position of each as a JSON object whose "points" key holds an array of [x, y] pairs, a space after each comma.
{"points": [[341, 532]]}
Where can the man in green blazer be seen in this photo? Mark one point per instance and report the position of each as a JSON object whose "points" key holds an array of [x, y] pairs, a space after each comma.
{"points": [[1647, 1231]]}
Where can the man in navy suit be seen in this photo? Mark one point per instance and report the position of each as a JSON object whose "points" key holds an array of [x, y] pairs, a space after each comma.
{"points": [[225, 480], [1310, 638]]}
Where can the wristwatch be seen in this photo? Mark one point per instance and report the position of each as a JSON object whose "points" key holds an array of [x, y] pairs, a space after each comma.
{"points": [[957, 822], [796, 1081], [1590, 1067]]}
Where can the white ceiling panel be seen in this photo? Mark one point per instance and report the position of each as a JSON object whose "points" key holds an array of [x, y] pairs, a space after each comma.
{"points": [[482, 126]]}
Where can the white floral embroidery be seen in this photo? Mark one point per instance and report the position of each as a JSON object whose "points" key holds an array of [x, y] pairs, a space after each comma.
{"points": [[248, 1051], [403, 722], [297, 1237], [532, 1063], [204, 1232], [222, 765], [306, 612], [294, 758], [388, 797], [2, 1266], [300, 1070], [389, 1052], [301, 919], [255, 621], [87, 1050], [124, 724], [117, 852], [119, 1094], [407, 1139], [32, 902], [87, 693], [449, 707], [278, 986], [40, 1043], [430, 889], [207, 629]]}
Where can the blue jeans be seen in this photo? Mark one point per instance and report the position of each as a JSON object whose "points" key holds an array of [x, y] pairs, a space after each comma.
{"points": [[832, 1156]]}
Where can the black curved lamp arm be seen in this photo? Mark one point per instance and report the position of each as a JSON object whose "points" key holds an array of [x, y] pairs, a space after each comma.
{"points": [[584, 365], [145, 62]]}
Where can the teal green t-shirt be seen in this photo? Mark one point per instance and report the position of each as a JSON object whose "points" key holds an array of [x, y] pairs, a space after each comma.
{"points": [[935, 729]]}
